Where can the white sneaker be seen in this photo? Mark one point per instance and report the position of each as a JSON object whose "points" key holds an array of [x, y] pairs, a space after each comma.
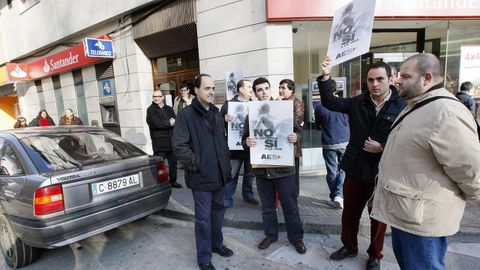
{"points": [[338, 201]]}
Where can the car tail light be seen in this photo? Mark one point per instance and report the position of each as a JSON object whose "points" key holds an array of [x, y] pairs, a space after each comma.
{"points": [[162, 173], [48, 200]]}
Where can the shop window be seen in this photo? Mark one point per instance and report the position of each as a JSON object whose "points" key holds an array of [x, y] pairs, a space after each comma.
{"points": [[9, 163], [40, 96], [80, 95], [57, 90]]}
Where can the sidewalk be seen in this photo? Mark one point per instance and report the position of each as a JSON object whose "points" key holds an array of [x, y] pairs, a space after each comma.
{"points": [[316, 215]]}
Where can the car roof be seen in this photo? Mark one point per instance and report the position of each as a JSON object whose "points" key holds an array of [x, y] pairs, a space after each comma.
{"points": [[32, 131]]}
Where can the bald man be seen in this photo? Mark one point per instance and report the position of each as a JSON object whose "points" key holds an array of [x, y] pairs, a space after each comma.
{"points": [[429, 167]]}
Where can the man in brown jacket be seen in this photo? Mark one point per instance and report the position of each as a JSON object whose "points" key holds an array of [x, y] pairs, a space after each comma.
{"points": [[429, 167]]}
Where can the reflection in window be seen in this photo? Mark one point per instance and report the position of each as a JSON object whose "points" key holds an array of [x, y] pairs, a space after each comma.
{"points": [[70, 150], [9, 163]]}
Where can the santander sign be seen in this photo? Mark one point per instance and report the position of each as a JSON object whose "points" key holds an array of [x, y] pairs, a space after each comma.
{"points": [[66, 60]]}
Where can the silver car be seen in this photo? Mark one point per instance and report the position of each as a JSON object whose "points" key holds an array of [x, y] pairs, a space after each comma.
{"points": [[59, 185]]}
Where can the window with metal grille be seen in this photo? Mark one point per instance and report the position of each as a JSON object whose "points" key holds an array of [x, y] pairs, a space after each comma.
{"points": [[57, 91], [104, 70], [40, 96]]}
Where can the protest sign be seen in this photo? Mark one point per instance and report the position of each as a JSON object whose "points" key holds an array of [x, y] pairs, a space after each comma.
{"points": [[270, 122], [235, 127], [231, 80], [351, 31]]}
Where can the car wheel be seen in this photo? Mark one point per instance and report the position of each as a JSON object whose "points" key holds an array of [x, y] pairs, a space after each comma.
{"points": [[15, 252]]}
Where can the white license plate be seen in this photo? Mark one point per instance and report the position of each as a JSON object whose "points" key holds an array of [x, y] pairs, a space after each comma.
{"points": [[115, 184]]}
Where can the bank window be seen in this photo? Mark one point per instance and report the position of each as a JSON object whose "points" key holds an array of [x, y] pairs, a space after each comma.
{"points": [[9, 163], [80, 95], [57, 90], [40, 96]]}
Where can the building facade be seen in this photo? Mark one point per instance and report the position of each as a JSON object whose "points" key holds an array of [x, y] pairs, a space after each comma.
{"points": [[167, 42]]}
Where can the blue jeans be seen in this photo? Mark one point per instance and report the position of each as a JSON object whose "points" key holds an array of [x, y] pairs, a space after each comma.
{"points": [[335, 175], [247, 189], [419, 252]]}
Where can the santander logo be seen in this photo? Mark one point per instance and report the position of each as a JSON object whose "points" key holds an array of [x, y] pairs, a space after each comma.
{"points": [[18, 73], [46, 67]]}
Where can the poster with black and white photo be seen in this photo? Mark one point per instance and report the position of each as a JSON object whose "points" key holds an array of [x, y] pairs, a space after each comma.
{"points": [[470, 67], [351, 31], [235, 127], [270, 123], [231, 80]]}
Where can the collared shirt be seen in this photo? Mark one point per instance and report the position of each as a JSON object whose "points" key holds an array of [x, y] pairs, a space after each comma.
{"points": [[380, 105]]}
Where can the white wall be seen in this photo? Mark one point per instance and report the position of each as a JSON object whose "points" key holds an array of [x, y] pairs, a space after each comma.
{"points": [[51, 21], [234, 35]]}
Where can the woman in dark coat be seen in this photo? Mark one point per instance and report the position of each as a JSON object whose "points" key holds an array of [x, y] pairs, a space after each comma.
{"points": [[42, 120]]}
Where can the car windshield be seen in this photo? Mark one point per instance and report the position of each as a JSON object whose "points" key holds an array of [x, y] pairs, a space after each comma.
{"points": [[76, 149]]}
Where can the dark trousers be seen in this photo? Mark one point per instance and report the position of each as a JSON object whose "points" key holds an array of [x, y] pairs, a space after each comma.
{"points": [[297, 174], [172, 164], [209, 212], [356, 194], [286, 189], [419, 252]]}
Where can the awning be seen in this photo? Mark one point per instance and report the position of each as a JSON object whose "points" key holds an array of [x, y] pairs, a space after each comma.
{"points": [[171, 29]]}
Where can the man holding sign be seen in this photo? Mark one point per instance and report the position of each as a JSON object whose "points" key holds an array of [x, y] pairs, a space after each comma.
{"points": [[234, 113], [370, 115], [280, 179]]}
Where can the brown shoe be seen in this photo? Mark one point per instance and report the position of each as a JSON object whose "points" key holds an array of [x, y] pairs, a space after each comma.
{"points": [[266, 243], [253, 201], [341, 254], [300, 247]]}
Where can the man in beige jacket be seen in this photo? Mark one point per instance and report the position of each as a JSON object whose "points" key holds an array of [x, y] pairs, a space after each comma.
{"points": [[430, 166]]}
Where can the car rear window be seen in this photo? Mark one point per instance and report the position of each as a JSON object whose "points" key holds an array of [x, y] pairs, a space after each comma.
{"points": [[76, 149]]}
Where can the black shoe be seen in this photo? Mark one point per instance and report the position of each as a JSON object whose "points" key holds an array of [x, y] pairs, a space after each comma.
{"points": [[176, 185], [341, 254], [223, 251], [373, 264], [253, 201], [206, 266], [265, 243]]}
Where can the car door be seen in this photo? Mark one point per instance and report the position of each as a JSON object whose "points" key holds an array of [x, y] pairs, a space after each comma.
{"points": [[12, 179]]}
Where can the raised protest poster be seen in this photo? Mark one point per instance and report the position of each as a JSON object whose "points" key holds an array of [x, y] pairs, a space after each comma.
{"points": [[235, 127], [231, 80], [351, 31], [470, 67], [270, 122]]}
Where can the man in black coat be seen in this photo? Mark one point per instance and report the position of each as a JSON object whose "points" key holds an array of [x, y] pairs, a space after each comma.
{"points": [[160, 120], [464, 96], [199, 143], [371, 115]]}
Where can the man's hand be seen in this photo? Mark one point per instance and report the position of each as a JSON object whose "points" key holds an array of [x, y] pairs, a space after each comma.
{"points": [[251, 142], [228, 117], [292, 138], [325, 68], [372, 146], [172, 121]]}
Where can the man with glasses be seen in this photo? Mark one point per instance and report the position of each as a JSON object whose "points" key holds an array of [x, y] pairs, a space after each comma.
{"points": [[160, 120]]}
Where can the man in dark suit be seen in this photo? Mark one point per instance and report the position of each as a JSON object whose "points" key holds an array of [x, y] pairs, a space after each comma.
{"points": [[199, 143]]}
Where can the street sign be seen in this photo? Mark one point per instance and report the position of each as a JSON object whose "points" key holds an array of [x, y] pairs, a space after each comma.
{"points": [[102, 48]]}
